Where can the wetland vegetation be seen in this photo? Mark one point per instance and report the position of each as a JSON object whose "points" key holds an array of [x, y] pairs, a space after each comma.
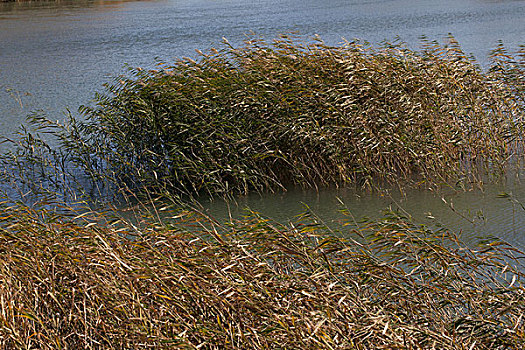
{"points": [[263, 117], [266, 116], [252, 284]]}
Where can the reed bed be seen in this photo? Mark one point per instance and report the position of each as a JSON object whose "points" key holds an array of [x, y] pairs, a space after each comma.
{"points": [[190, 282], [265, 116]]}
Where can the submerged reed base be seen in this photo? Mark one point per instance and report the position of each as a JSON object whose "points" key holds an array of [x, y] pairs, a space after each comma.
{"points": [[252, 284]]}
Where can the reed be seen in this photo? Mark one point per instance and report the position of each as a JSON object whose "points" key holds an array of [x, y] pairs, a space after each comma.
{"points": [[191, 282], [264, 116]]}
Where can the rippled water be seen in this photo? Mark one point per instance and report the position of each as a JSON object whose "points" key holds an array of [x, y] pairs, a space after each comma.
{"points": [[55, 55], [60, 53]]}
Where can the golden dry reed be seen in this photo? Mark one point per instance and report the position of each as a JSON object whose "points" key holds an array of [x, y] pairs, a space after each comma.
{"points": [[191, 283], [262, 117]]}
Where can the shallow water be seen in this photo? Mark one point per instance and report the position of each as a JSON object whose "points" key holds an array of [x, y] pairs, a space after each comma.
{"points": [[473, 214], [56, 55]]}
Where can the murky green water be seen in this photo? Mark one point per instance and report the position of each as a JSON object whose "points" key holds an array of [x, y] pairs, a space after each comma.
{"points": [[55, 55], [474, 213]]}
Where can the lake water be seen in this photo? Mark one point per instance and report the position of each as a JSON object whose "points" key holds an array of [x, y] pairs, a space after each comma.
{"points": [[56, 55]]}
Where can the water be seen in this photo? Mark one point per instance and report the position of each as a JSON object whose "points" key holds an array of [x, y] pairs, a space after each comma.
{"points": [[473, 214], [55, 56]]}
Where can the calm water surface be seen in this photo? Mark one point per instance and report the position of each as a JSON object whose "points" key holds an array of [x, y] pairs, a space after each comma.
{"points": [[55, 56]]}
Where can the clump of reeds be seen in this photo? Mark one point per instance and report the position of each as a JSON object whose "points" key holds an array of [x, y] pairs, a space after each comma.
{"points": [[252, 284], [265, 116]]}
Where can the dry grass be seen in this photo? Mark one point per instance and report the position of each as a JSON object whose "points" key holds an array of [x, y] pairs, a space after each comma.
{"points": [[252, 284]]}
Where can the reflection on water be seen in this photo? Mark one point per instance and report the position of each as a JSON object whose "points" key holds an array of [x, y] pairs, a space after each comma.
{"points": [[57, 54]]}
